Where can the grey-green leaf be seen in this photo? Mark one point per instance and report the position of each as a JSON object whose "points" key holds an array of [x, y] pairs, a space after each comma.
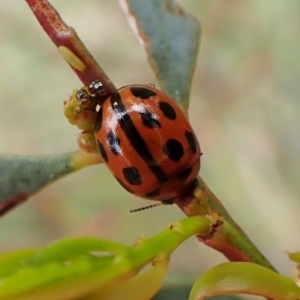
{"points": [[171, 38], [21, 176]]}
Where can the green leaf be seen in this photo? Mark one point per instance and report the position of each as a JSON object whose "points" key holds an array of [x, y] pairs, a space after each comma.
{"points": [[171, 38], [82, 263], [142, 287], [12, 261], [25, 175], [74, 267], [244, 278], [181, 290], [69, 248]]}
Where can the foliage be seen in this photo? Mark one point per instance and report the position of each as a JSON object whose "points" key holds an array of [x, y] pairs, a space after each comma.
{"points": [[69, 269]]}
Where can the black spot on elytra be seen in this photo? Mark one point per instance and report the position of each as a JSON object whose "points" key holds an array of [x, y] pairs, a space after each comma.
{"points": [[114, 143], [186, 173], [141, 92], [98, 122], [173, 149], [134, 136], [153, 193], [191, 140], [102, 152], [123, 185], [150, 120], [168, 110], [132, 175]]}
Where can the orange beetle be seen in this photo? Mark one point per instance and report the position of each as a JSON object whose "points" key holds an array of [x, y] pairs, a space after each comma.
{"points": [[146, 142]]}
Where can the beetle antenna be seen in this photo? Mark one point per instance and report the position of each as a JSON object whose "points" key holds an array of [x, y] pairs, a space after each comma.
{"points": [[145, 207]]}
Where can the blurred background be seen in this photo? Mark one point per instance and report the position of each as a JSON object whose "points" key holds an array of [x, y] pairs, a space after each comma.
{"points": [[244, 108]]}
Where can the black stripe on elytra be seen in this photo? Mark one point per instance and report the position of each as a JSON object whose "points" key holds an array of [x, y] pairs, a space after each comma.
{"points": [[150, 120], [134, 137], [102, 151], [114, 143]]}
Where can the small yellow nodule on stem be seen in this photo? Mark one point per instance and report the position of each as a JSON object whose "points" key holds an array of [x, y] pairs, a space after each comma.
{"points": [[73, 60], [81, 159]]}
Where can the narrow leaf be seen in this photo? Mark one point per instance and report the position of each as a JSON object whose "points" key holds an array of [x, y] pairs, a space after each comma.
{"points": [[25, 175], [244, 278], [79, 266], [170, 37], [142, 287]]}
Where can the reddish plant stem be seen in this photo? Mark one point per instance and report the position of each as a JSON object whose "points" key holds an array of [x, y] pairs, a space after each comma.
{"points": [[231, 240], [63, 35]]}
